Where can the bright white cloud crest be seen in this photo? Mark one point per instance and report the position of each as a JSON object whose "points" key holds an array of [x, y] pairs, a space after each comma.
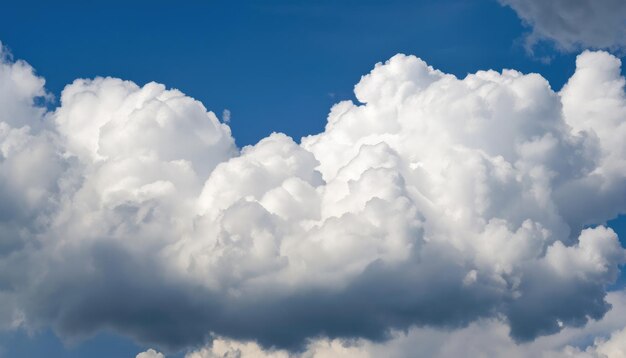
{"points": [[437, 202]]}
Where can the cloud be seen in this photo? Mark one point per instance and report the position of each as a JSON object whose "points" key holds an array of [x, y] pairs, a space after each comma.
{"points": [[226, 115], [30, 172], [150, 353], [615, 346], [572, 25], [435, 202], [484, 338]]}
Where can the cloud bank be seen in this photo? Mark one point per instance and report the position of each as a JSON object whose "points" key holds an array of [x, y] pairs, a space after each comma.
{"points": [[573, 24], [484, 338], [435, 202]]}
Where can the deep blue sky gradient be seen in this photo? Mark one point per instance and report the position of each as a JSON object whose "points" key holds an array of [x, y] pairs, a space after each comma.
{"points": [[277, 65]]}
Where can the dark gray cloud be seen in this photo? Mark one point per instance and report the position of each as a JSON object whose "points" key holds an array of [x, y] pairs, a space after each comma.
{"points": [[574, 24]]}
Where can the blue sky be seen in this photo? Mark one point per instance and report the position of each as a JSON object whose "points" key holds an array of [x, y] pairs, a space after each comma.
{"points": [[275, 65], [278, 66]]}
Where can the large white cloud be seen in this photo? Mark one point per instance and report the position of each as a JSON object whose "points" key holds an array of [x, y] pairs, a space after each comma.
{"points": [[574, 24], [435, 202], [31, 171]]}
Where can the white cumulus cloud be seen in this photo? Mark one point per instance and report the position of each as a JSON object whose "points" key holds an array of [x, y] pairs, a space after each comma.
{"points": [[150, 353], [435, 203]]}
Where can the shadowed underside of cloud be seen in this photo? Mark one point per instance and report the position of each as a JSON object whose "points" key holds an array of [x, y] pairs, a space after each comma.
{"points": [[574, 24], [483, 338], [434, 202]]}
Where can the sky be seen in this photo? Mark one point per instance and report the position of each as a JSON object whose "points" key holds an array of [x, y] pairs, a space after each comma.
{"points": [[250, 57], [412, 200]]}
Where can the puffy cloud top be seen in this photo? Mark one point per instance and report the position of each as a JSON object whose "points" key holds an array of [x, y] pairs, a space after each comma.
{"points": [[150, 353], [436, 201]]}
